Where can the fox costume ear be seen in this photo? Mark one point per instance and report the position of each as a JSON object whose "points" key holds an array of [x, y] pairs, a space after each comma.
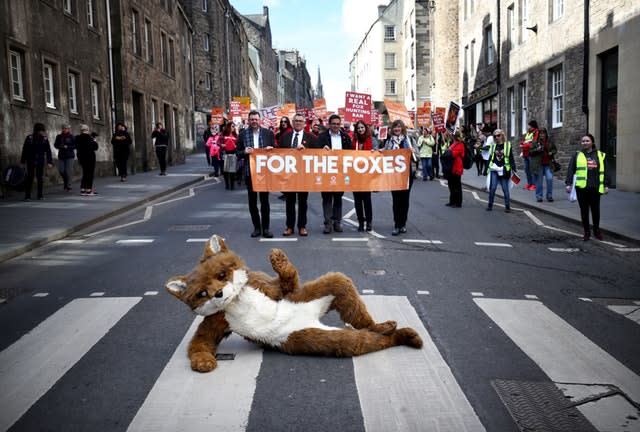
{"points": [[177, 285], [214, 246]]}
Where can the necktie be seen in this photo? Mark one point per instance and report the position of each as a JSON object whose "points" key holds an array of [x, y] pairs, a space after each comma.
{"points": [[294, 143]]}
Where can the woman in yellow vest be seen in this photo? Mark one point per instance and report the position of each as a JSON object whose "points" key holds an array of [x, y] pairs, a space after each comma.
{"points": [[589, 167], [501, 163]]}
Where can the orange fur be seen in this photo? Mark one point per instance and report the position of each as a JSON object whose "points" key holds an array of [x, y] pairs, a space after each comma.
{"points": [[214, 273]]}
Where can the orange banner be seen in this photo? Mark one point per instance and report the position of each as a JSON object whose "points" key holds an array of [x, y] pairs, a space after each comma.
{"points": [[317, 170]]}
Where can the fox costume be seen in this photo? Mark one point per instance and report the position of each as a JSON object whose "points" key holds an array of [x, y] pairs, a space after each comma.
{"points": [[276, 311]]}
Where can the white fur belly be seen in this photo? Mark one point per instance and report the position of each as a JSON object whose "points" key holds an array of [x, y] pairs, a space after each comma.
{"points": [[254, 315]]}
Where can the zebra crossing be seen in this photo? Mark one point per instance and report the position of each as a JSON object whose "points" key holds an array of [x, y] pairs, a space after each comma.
{"points": [[399, 389]]}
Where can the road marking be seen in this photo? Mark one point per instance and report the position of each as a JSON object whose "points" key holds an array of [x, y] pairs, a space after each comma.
{"points": [[531, 296], [350, 239], [622, 249], [421, 241], [69, 241], [134, 241], [368, 291], [96, 294], [197, 240], [423, 292], [412, 388], [630, 311], [567, 250], [33, 364], [150, 293], [41, 294], [278, 239], [182, 399], [561, 351], [585, 299], [477, 294], [492, 244], [533, 218]]}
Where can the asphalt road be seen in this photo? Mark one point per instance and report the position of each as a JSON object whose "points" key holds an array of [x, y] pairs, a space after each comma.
{"points": [[516, 298]]}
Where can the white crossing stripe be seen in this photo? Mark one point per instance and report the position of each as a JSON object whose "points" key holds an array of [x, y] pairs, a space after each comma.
{"points": [[150, 293], [628, 249], [197, 240], [420, 292], [134, 241], [413, 390], [33, 364], [569, 250], [182, 399], [477, 294], [531, 296], [421, 241], [368, 291], [561, 351], [41, 294], [630, 311], [96, 294], [350, 239], [492, 244]]}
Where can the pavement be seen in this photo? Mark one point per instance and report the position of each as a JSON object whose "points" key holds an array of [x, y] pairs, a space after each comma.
{"points": [[28, 225]]}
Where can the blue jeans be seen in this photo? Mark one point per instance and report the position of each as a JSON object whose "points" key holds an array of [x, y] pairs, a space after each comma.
{"points": [[546, 173], [527, 170], [504, 184], [427, 170]]}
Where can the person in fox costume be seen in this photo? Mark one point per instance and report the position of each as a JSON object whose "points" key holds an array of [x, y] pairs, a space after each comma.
{"points": [[277, 312]]}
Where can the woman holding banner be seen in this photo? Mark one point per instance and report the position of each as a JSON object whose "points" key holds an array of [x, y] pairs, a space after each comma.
{"points": [[400, 198], [363, 140]]}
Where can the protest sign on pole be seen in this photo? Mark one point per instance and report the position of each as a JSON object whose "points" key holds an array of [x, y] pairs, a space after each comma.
{"points": [[217, 115], [452, 116], [424, 116], [438, 122], [357, 106], [320, 108], [397, 111]]}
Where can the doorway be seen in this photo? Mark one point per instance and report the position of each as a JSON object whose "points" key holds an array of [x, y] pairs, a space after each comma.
{"points": [[140, 159], [609, 111]]}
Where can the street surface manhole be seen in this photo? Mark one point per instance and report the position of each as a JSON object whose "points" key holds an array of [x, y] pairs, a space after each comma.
{"points": [[540, 406], [189, 227]]}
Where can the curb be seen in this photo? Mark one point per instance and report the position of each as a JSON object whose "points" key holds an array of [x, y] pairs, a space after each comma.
{"points": [[68, 231]]}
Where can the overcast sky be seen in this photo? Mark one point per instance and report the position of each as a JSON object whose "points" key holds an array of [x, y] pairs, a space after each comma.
{"points": [[325, 32]]}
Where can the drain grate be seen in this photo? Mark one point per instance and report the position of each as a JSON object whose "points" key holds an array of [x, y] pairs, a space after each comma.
{"points": [[540, 406], [225, 356]]}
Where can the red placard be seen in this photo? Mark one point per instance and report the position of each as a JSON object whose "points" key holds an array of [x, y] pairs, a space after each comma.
{"points": [[357, 106]]}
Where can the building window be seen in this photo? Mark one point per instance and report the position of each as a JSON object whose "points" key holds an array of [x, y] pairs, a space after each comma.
{"points": [[522, 91], [557, 9], [16, 59], [163, 52], [90, 14], [171, 57], [95, 100], [488, 36], [472, 57], [390, 87], [205, 41], [153, 111], [135, 31], [74, 79], [511, 102], [207, 80], [522, 20], [466, 60], [389, 33], [67, 6], [205, 5], [148, 42], [389, 60], [48, 74], [557, 96], [511, 26]]}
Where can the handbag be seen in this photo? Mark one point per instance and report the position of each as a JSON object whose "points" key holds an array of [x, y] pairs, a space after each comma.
{"points": [[230, 163], [555, 165]]}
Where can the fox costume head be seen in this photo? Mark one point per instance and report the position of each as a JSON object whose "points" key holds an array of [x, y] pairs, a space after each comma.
{"points": [[214, 282]]}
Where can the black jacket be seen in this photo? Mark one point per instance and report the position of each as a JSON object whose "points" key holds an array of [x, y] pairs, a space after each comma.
{"points": [[324, 139], [309, 140], [86, 147], [35, 150]]}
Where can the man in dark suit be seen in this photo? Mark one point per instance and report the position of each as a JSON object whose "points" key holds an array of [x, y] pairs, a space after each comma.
{"points": [[297, 139], [333, 138], [251, 138]]}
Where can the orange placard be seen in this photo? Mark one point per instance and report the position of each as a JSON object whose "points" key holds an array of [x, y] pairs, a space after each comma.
{"points": [[320, 108], [217, 115], [317, 170], [397, 111]]}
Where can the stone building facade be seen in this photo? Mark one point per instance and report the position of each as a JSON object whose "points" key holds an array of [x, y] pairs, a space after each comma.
{"points": [[53, 74], [294, 79], [152, 76], [559, 63], [258, 31]]}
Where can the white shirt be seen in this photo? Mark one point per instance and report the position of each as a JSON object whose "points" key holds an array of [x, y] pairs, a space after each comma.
{"points": [[336, 141], [256, 138]]}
